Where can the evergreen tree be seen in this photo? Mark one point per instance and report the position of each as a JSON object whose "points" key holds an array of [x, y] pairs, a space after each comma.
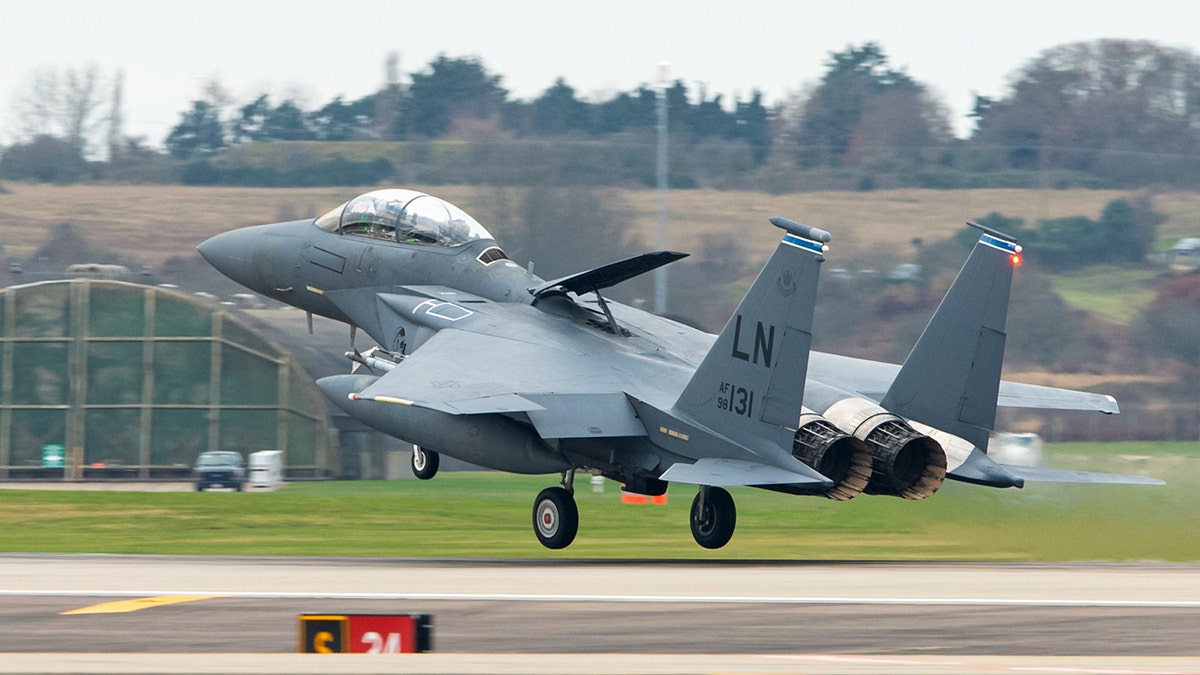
{"points": [[199, 132]]}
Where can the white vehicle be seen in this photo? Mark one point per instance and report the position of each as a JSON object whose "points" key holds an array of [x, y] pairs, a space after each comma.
{"points": [[266, 468]]}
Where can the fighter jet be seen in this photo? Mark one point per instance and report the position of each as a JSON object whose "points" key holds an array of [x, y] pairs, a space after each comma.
{"points": [[478, 359]]}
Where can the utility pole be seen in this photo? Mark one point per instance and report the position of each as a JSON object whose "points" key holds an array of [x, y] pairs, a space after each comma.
{"points": [[660, 274]]}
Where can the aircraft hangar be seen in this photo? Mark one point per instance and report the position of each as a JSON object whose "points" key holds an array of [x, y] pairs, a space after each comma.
{"points": [[107, 379]]}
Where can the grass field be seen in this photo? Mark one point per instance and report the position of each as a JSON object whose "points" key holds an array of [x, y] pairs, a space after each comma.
{"points": [[169, 220], [1115, 293], [488, 515]]}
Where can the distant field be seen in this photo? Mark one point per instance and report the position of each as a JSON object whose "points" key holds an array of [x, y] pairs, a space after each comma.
{"points": [[488, 515], [154, 222], [1115, 293]]}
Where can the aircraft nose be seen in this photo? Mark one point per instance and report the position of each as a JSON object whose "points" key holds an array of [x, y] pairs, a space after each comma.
{"points": [[232, 253]]}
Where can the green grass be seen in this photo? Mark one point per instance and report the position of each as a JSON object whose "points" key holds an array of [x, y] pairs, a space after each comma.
{"points": [[1117, 293], [488, 515]]}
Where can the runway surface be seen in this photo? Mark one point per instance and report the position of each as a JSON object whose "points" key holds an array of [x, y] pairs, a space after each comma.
{"points": [[561, 616]]}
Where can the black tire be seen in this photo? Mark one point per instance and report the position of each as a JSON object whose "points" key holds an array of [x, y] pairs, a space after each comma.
{"points": [[239, 487], [555, 518], [424, 463], [713, 517], [199, 487]]}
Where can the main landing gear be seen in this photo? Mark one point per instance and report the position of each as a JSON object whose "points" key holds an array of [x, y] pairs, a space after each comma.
{"points": [[555, 515], [713, 517], [424, 463]]}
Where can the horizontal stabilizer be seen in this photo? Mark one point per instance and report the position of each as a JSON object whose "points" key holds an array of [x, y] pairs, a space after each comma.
{"points": [[1038, 474], [609, 275], [983, 470], [870, 379], [730, 472], [1019, 395]]}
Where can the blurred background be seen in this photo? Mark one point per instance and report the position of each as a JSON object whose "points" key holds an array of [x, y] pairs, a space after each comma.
{"points": [[544, 124]]}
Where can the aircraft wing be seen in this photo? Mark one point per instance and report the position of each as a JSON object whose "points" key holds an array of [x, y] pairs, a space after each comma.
{"points": [[871, 379], [463, 373]]}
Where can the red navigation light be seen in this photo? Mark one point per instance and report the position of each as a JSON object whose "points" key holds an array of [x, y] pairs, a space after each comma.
{"points": [[1015, 259]]}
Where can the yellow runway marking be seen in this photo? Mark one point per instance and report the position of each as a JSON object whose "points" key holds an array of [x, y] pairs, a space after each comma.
{"points": [[120, 606]]}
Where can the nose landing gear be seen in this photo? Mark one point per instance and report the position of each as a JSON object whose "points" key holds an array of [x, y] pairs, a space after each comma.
{"points": [[424, 463], [555, 515]]}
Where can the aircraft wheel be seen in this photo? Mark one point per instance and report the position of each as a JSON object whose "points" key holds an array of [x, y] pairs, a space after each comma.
{"points": [[424, 463], [555, 518], [713, 517]]}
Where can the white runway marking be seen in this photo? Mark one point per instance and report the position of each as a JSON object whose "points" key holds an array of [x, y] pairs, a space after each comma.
{"points": [[671, 599]]}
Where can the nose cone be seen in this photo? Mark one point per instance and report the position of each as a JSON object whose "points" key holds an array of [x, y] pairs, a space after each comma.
{"points": [[232, 253]]}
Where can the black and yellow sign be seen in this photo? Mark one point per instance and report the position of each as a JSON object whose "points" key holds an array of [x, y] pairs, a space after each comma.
{"points": [[365, 633], [323, 634]]}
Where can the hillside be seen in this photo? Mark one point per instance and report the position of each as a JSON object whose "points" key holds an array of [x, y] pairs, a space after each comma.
{"points": [[159, 227], [151, 223]]}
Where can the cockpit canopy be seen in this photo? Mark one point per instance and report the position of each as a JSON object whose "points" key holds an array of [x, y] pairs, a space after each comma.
{"points": [[406, 216]]}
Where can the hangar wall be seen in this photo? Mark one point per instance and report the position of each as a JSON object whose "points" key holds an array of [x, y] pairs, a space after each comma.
{"points": [[139, 380]]}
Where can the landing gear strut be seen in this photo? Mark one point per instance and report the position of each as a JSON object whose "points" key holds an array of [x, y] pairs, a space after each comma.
{"points": [[713, 517], [555, 515], [424, 463]]}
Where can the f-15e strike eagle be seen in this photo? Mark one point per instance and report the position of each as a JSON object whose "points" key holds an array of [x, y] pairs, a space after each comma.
{"points": [[479, 359]]}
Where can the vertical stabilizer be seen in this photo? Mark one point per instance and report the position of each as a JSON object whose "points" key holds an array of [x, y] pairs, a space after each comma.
{"points": [[951, 378], [751, 383]]}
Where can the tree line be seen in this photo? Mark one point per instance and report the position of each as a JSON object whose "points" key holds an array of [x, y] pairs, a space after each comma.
{"points": [[1105, 113], [453, 96]]}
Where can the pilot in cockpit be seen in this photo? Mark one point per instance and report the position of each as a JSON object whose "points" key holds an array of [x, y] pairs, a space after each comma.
{"points": [[411, 230], [370, 217], [453, 232]]}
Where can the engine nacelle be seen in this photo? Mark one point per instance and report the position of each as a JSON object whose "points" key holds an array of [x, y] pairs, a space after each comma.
{"points": [[904, 462], [838, 456]]}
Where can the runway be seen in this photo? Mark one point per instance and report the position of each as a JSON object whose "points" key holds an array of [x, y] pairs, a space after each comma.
{"points": [[584, 616]]}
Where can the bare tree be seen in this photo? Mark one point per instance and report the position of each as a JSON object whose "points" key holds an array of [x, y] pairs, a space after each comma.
{"points": [[1129, 110], [116, 118], [80, 106], [903, 127], [36, 108], [62, 104]]}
